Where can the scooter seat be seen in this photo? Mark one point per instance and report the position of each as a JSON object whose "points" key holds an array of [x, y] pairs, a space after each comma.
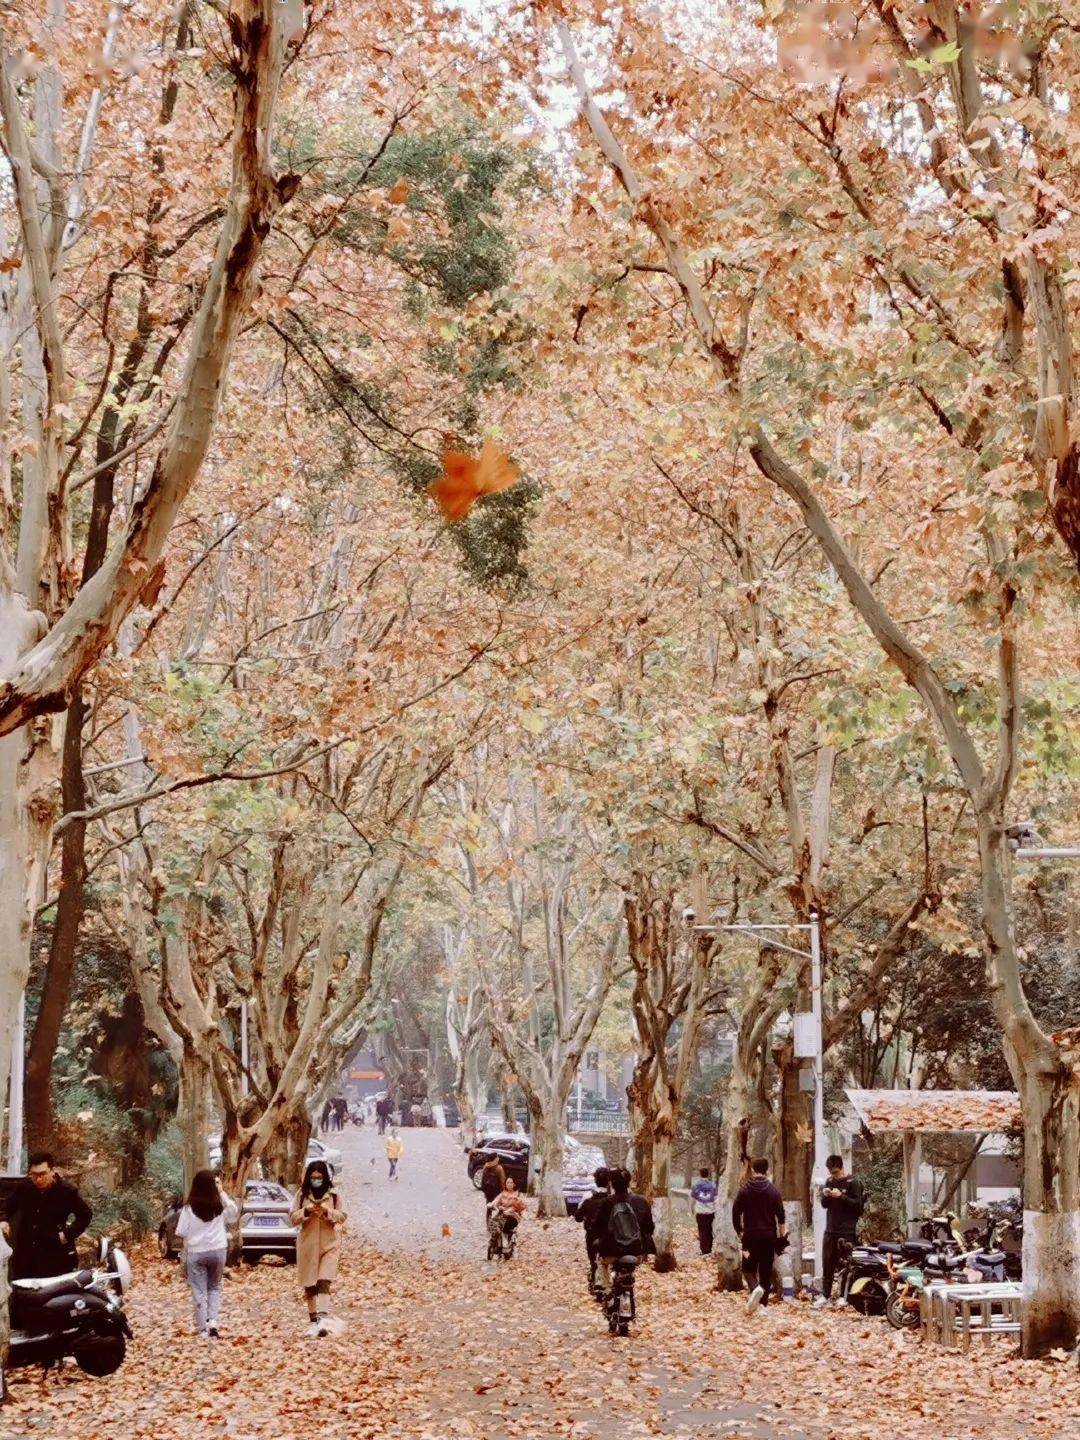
{"points": [[36, 1292], [917, 1249], [889, 1247], [989, 1257]]}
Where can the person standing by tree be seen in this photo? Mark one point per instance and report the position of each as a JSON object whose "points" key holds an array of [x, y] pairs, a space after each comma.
{"points": [[703, 1192], [320, 1216], [395, 1149], [843, 1198], [758, 1218], [203, 1227], [44, 1217]]}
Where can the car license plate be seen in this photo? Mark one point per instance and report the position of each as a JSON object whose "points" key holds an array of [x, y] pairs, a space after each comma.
{"points": [[265, 1220]]}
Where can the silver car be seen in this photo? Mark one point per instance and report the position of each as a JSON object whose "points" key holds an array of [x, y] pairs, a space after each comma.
{"points": [[262, 1228]]}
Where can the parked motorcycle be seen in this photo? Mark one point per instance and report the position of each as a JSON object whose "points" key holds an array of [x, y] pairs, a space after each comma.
{"points": [[79, 1314], [621, 1307], [913, 1264], [864, 1278]]}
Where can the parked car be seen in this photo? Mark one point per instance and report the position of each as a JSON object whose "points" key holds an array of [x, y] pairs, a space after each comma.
{"points": [[261, 1228], [579, 1162], [316, 1150]]}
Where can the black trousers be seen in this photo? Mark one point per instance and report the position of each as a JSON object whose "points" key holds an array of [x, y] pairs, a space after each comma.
{"points": [[704, 1232], [830, 1259], [758, 1266], [593, 1253]]}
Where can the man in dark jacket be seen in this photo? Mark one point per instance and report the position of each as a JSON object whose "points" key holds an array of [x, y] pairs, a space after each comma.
{"points": [[622, 1213], [758, 1217], [588, 1214], [492, 1179], [45, 1216], [843, 1198]]}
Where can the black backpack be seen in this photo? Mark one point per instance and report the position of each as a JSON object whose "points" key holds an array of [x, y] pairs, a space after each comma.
{"points": [[623, 1226]]}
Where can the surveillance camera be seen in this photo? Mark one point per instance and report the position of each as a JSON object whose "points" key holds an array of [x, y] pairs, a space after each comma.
{"points": [[689, 915]]}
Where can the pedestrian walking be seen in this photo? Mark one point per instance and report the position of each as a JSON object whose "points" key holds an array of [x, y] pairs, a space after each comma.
{"points": [[324, 1121], [395, 1149], [703, 1192], [321, 1218], [203, 1227], [758, 1217], [843, 1198]]}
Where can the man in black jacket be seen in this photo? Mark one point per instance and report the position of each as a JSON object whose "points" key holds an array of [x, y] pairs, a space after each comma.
{"points": [[613, 1222], [843, 1198], [758, 1217], [588, 1214], [45, 1216]]}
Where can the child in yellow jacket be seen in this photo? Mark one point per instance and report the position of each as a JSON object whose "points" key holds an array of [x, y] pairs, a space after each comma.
{"points": [[395, 1149]]}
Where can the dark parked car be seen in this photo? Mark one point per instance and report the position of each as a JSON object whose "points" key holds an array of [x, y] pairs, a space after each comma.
{"points": [[513, 1151], [262, 1227]]}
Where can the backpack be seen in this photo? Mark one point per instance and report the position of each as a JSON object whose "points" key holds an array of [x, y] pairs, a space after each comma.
{"points": [[623, 1226]]}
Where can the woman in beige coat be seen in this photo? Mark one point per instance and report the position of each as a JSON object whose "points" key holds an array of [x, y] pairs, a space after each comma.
{"points": [[320, 1217]]}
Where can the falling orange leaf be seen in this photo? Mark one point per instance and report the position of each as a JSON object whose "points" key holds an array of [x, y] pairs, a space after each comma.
{"points": [[465, 479], [447, 1231]]}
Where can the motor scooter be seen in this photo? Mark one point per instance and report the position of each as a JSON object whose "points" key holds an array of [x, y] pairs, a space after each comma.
{"points": [[621, 1306], [80, 1314]]}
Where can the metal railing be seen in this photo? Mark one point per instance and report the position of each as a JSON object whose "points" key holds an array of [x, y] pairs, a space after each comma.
{"points": [[598, 1122]]}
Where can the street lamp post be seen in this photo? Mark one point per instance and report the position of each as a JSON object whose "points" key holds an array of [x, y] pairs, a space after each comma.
{"points": [[808, 1044]]}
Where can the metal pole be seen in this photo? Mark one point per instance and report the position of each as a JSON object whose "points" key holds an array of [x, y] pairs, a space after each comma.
{"points": [[15, 1091], [817, 1179], [244, 1046]]}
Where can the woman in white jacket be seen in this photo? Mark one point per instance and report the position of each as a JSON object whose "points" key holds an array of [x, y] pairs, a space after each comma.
{"points": [[202, 1227]]}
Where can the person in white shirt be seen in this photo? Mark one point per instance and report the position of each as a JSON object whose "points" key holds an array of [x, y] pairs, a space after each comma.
{"points": [[202, 1227]]}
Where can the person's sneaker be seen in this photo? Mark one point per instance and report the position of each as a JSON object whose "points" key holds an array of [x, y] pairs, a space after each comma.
{"points": [[753, 1300], [212, 1330], [839, 1303], [820, 1303], [321, 1328], [312, 1330]]}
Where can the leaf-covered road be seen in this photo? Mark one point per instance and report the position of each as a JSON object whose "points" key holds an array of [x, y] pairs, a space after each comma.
{"points": [[438, 1345]]}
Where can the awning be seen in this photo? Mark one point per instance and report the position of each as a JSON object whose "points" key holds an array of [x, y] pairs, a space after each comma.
{"points": [[930, 1112]]}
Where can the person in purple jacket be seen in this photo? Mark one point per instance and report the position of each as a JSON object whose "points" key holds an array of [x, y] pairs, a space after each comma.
{"points": [[703, 1194]]}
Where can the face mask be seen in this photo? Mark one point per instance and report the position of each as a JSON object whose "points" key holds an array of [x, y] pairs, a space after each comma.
{"points": [[319, 1184]]}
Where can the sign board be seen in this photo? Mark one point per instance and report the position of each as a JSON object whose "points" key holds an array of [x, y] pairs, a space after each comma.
{"points": [[805, 1036]]}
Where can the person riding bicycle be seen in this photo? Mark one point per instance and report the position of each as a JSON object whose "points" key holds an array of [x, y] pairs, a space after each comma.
{"points": [[624, 1226], [588, 1214], [509, 1206]]}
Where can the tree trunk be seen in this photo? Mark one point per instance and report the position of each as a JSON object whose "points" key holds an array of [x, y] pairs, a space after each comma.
{"points": [[63, 945], [124, 1060], [26, 817], [193, 1114], [548, 1149], [641, 1102], [794, 1151], [1051, 1108], [285, 1155], [659, 1195]]}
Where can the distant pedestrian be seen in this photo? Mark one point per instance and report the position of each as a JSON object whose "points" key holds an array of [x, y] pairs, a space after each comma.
{"points": [[395, 1149], [324, 1122], [383, 1108], [203, 1227], [760, 1223], [319, 1214], [703, 1192]]}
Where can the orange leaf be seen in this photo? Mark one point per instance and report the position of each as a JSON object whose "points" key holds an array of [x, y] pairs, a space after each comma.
{"points": [[465, 479], [398, 193]]}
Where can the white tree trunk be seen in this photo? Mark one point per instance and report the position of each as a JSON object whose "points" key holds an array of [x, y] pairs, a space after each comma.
{"points": [[193, 1114], [28, 765], [548, 1149]]}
